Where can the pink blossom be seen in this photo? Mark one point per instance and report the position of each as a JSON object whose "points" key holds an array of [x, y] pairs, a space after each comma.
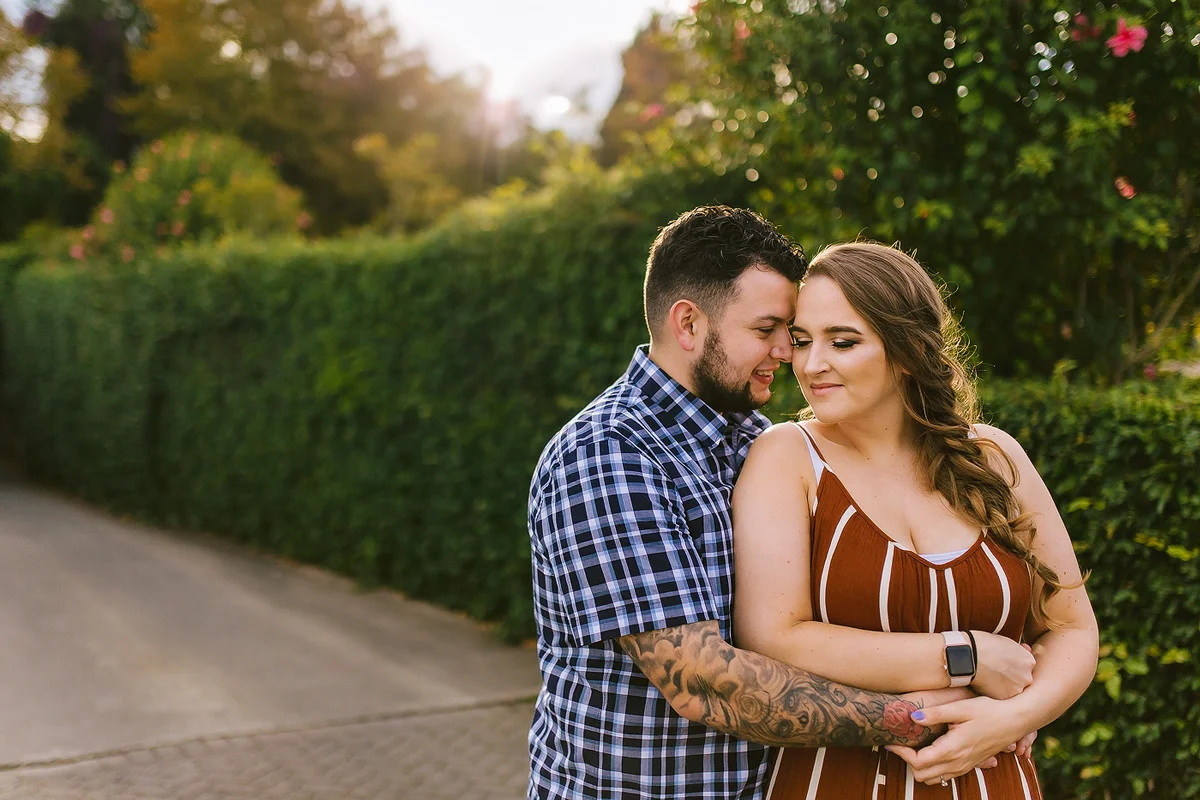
{"points": [[1125, 188], [157, 147], [1150, 371], [1126, 39], [107, 216], [141, 174], [77, 251], [838, 173], [127, 253], [178, 228], [651, 111], [185, 197], [88, 233], [1083, 29], [304, 220], [741, 30]]}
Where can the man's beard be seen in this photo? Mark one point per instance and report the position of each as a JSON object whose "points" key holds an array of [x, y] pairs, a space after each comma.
{"points": [[708, 376]]}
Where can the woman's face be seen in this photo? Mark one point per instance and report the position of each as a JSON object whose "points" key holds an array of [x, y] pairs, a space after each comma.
{"points": [[838, 358]]}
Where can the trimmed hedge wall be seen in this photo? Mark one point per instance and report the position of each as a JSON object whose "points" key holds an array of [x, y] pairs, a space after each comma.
{"points": [[377, 407]]}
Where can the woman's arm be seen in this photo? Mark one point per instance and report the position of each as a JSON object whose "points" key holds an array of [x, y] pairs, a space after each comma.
{"points": [[773, 612], [1066, 656]]}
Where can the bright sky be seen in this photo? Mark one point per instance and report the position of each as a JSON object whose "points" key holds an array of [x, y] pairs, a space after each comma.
{"points": [[516, 39]]}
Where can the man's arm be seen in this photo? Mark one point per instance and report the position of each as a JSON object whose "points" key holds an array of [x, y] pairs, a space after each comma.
{"points": [[751, 696]]}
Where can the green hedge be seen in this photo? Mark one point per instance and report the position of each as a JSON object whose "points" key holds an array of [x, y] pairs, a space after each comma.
{"points": [[1124, 465], [377, 407]]}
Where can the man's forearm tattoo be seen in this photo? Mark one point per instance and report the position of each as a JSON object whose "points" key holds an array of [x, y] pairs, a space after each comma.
{"points": [[755, 697]]}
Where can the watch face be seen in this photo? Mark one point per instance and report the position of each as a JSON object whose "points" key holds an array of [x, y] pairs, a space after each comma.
{"points": [[959, 661]]}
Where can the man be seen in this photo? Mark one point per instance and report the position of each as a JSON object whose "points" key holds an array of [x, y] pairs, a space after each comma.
{"points": [[629, 519]]}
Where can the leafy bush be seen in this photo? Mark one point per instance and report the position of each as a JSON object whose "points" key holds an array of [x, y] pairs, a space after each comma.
{"points": [[1042, 154], [372, 405], [188, 187]]}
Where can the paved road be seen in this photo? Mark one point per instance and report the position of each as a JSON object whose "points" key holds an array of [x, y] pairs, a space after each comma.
{"points": [[142, 665]]}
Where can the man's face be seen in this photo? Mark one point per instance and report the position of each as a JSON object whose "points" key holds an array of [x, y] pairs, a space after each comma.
{"points": [[743, 348]]}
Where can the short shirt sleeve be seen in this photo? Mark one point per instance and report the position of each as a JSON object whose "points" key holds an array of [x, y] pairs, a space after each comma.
{"points": [[613, 534]]}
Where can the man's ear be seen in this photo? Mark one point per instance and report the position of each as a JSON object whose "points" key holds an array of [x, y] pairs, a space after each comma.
{"points": [[687, 324]]}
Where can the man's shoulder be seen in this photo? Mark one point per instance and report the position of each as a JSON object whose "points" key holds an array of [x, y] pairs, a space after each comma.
{"points": [[619, 418]]}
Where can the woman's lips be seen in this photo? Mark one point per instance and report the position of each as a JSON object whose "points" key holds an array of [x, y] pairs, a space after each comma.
{"points": [[822, 389]]}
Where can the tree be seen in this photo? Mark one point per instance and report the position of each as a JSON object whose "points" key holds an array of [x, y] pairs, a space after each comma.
{"points": [[653, 64], [305, 80], [1039, 158]]}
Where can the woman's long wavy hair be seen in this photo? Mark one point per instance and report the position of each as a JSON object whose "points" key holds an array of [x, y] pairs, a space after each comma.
{"points": [[925, 344]]}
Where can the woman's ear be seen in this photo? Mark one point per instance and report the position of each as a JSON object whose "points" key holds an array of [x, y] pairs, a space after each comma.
{"points": [[687, 324]]}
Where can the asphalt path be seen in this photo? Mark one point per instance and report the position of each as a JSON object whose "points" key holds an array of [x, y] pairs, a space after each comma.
{"points": [[140, 663]]}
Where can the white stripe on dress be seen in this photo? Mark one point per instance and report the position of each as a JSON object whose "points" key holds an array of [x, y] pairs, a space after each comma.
{"points": [[951, 599], [837, 535], [884, 583], [983, 795], [933, 600], [775, 773], [908, 782], [1004, 590], [1024, 783], [954, 788], [814, 782]]}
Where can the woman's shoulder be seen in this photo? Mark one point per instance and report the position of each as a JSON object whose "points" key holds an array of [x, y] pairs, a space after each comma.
{"points": [[781, 449], [1007, 445]]}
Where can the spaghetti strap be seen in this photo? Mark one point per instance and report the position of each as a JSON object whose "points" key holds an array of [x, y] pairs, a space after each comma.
{"points": [[818, 462]]}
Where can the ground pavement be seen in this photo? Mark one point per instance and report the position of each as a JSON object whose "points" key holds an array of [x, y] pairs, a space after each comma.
{"points": [[137, 664]]}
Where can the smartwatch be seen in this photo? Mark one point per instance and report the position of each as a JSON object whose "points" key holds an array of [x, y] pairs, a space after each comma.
{"points": [[960, 658]]}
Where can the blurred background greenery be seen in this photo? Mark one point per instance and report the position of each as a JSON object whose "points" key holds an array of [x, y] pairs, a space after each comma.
{"points": [[268, 271]]}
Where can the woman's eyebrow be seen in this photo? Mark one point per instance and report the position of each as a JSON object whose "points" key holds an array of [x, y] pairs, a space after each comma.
{"points": [[832, 329]]}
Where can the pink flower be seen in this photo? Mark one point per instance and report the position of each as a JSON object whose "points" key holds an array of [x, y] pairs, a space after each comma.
{"points": [[88, 233], [141, 174], [838, 173], [1084, 29], [127, 253], [1150, 371], [1125, 188], [77, 251], [304, 220], [185, 197], [1126, 39], [741, 30], [157, 147], [107, 216], [651, 111], [178, 228]]}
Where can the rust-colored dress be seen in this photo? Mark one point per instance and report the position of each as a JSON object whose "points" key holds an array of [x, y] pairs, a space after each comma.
{"points": [[862, 579]]}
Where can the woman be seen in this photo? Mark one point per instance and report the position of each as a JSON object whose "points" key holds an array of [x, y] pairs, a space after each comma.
{"points": [[888, 516]]}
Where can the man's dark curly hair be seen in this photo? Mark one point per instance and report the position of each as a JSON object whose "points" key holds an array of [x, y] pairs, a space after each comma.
{"points": [[702, 253]]}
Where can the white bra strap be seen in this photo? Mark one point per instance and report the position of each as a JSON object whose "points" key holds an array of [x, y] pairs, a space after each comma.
{"points": [[817, 462]]}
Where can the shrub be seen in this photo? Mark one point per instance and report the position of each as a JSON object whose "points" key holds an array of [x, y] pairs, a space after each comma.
{"points": [[188, 187]]}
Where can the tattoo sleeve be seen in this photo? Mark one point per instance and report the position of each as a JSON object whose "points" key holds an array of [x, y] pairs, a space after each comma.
{"points": [[754, 697]]}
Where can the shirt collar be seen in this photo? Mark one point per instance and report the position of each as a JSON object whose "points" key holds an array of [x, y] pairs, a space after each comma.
{"points": [[674, 403]]}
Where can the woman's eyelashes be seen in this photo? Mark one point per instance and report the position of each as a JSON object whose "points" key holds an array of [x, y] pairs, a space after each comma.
{"points": [[801, 341]]}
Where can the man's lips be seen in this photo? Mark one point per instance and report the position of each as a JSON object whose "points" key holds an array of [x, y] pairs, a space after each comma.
{"points": [[764, 376]]}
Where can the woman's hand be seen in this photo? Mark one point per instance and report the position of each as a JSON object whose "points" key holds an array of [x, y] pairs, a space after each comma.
{"points": [[1004, 668], [979, 728]]}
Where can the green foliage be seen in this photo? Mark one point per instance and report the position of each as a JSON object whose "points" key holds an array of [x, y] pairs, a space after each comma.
{"points": [[375, 406], [1051, 180], [186, 188], [1124, 465]]}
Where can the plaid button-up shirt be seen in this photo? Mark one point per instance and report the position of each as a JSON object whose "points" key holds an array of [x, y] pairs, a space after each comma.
{"points": [[630, 530]]}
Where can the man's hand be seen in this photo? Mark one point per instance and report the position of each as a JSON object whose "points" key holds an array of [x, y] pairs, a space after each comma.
{"points": [[979, 728], [1004, 668]]}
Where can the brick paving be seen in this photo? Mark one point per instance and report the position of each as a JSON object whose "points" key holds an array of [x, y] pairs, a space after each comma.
{"points": [[477, 753]]}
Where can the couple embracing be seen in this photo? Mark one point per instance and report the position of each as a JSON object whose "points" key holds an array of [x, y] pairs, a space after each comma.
{"points": [[877, 600]]}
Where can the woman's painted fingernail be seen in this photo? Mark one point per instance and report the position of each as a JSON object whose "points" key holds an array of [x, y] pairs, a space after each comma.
{"points": [[918, 715]]}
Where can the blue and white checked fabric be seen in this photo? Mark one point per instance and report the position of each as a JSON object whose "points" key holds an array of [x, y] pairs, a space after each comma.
{"points": [[630, 531]]}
